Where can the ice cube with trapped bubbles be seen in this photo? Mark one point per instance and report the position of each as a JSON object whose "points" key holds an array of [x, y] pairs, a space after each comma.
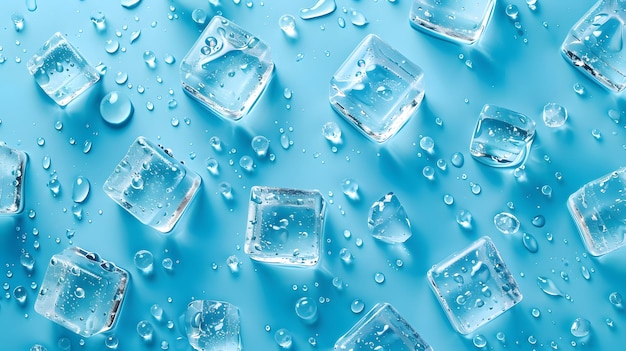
{"points": [[212, 325], [12, 172], [82, 292], [462, 21], [474, 286], [377, 89], [599, 210], [61, 71], [152, 185], [285, 226], [227, 69], [382, 328]]}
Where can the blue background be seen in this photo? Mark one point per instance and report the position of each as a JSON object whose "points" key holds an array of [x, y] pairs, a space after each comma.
{"points": [[518, 69]]}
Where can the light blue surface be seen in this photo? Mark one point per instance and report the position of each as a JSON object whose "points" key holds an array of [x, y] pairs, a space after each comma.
{"points": [[519, 69]]}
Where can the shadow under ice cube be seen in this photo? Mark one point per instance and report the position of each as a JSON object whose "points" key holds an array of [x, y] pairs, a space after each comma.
{"points": [[285, 226], [61, 71], [474, 286], [382, 328], [502, 137], [212, 325], [463, 21], [227, 69], [377, 89], [152, 186], [599, 210], [82, 292], [12, 171]]}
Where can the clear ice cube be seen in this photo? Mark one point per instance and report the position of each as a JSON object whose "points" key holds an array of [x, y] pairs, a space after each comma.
{"points": [[285, 226], [212, 325], [377, 89], [382, 328], [152, 186], [12, 172], [388, 221], [502, 137], [599, 210], [595, 44], [474, 286], [462, 21], [227, 69], [82, 292], [61, 71]]}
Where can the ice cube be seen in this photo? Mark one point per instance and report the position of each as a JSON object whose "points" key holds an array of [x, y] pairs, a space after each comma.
{"points": [[474, 286], [599, 210], [82, 292], [502, 137], [227, 69], [61, 71], [462, 21], [152, 186], [377, 89], [212, 325], [12, 172], [285, 226]]}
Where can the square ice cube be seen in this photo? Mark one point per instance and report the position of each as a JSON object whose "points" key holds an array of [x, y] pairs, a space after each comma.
{"points": [[12, 171], [382, 328], [61, 71], [285, 226], [82, 292], [474, 286], [152, 186], [377, 89], [599, 210], [227, 69], [595, 44], [462, 21], [502, 137], [212, 325]]}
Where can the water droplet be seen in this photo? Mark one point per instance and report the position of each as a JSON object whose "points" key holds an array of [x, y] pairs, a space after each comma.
{"points": [[506, 223], [581, 327], [283, 338], [306, 309], [111, 46], [464, 219], [287, 24], [530, 243], [457, 160], [321, 8], [554, 115], [116, 108], [145, 330], [144, 261], [479, 341], [549, 287], [357, 306], [198, 16], [332, 132], [80, 189]]}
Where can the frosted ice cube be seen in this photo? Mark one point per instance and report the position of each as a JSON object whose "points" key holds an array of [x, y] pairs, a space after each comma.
{"points": [[377, 89], [227, 69], [382, 328], [212, 325], [463, 21], [12, 172], [152, 186], [61, 71], [599, 210], [82, 292], [595, 44], [502, 137], [285, 226], [474, 286]]}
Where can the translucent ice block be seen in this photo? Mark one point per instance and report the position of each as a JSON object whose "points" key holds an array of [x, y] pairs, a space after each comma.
{"points": [[61, 71], [285, 226], [152, 186], [212, 326], [227, 69], [463, 21], [12, 172], [474, 286], [502, 137], [377, 89], [82, 292], [595, 44], [382, 328], [599, 210]]}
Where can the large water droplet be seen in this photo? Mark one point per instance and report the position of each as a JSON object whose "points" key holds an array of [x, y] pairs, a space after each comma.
{"points": [[116, 108], [80, 189], [549, 287], [321, 8]]}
